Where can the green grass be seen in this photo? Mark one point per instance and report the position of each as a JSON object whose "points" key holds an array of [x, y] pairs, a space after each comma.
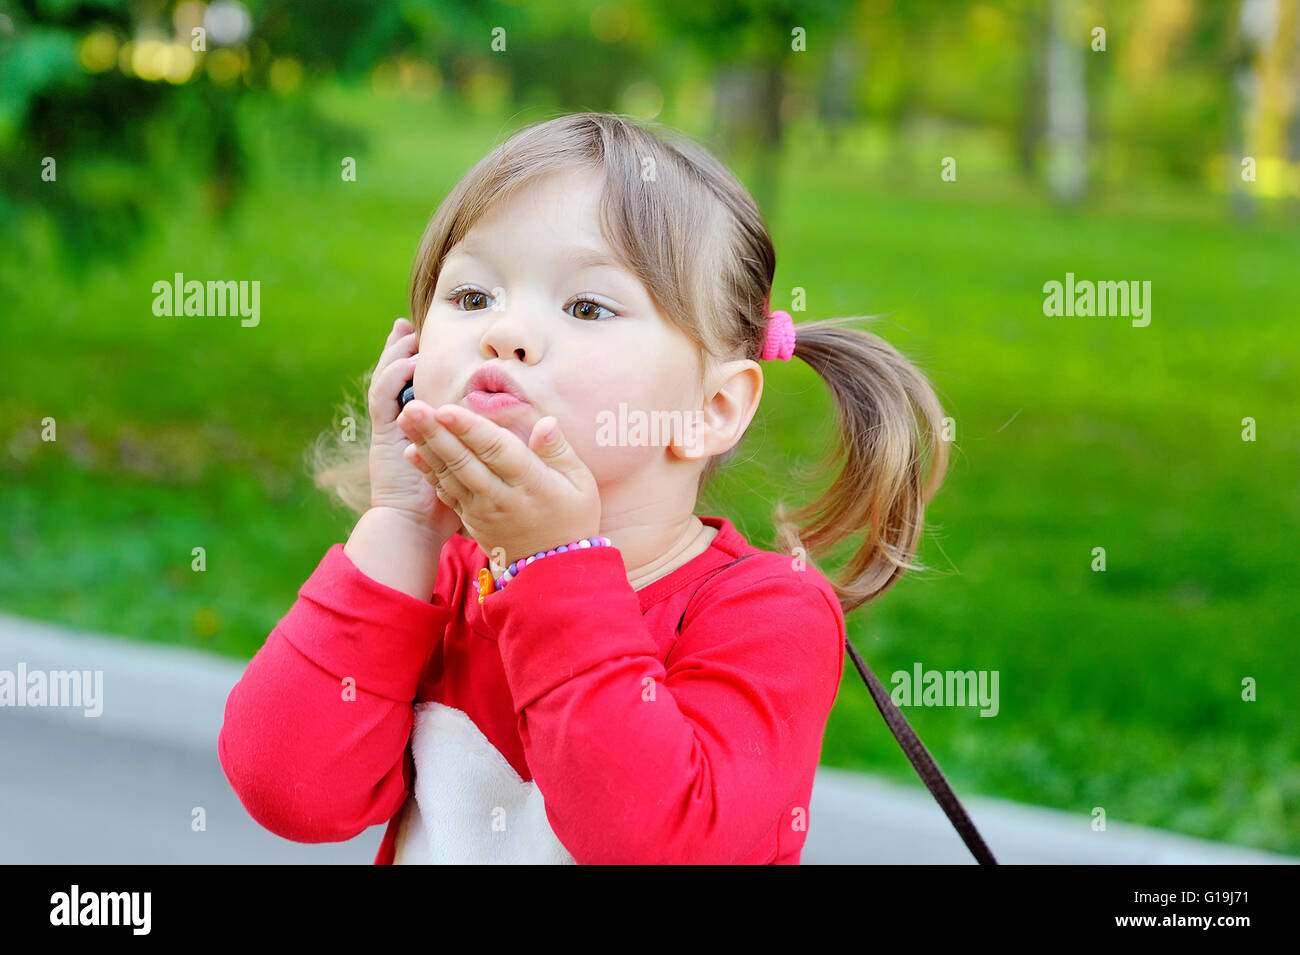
{"points": [[1119, 689]]}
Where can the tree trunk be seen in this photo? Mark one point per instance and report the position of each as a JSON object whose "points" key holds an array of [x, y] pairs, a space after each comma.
{"points": [[1067, 106]]}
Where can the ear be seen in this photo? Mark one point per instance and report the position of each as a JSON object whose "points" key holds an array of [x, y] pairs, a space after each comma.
{"points": [[732, 391]]}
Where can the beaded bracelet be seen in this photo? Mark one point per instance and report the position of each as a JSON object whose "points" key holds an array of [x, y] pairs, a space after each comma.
{"points": [[484, 576]]}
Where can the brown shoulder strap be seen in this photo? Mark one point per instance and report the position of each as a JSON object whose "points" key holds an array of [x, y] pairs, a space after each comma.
{"points": [[913, 748], [923, 763]]}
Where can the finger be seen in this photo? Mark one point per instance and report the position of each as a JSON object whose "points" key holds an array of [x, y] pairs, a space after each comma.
{"points": [[414, 420], [386, 388], [413, 456], [457, 468], [437, 472], [398, 329], [454, 503], [390, 379], [446, 454], [400, 348], [549, 443], [499, 450]]}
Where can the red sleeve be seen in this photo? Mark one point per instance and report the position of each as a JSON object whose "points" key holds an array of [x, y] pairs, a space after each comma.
{"points": [[641, 765], [308, 763]]}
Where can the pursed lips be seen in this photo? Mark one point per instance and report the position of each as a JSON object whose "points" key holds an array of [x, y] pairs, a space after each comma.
{"points": [[491, 391]]}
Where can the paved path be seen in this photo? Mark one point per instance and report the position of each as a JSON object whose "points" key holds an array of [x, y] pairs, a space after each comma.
{"points": [[122, 787]]}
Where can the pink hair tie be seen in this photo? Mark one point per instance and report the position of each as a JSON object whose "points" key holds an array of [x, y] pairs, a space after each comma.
{"points": [[780, 337]]}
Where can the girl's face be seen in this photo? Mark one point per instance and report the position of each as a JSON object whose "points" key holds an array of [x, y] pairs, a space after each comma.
{"points": [[533, 291]]}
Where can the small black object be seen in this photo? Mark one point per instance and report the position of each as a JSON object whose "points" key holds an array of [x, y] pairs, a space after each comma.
{"points": [[408, 393]]}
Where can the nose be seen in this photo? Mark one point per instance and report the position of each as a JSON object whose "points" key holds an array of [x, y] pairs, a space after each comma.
{"points": [[508, 332]]}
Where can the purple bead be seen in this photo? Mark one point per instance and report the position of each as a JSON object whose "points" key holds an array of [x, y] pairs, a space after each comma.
{"points": [[562, 549]]}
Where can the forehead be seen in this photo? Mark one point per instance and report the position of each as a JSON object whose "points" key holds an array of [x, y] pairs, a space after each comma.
{"points": [[567, 199], [558, 213]]}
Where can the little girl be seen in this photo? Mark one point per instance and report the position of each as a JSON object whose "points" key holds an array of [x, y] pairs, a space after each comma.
{"points": [[531, 649]]}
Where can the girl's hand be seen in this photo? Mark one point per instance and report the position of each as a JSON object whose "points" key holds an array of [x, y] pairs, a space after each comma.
{"points": [[393, 482], [514, 499]]}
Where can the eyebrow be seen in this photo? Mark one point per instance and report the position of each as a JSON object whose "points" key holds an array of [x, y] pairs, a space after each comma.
{"points": [[585, 257], [580, 256]]}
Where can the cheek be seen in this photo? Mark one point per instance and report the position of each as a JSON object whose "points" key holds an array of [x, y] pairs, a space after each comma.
{"points": [[610, 464], [435, 378], [606, 436], [585, 395], [441, 361]]}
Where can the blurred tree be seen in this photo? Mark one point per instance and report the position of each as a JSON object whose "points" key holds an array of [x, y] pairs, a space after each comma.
{"points": [[1170, 103], [835, 91], [52, 113], [93, 84], [1032, 124], [117, 96], [751, 44], [1272, 28], [1067, 105]]}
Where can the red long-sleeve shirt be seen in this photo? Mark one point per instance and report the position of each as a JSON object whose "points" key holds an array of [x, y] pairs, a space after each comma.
{"points": [[679, 723]]}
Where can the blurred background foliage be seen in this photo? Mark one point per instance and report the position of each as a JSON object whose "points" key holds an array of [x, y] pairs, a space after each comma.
{"points": [[132, 92], [140, 139]]}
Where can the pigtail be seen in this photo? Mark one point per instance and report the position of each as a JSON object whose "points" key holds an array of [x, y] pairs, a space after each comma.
{"points": [[889, 453]]}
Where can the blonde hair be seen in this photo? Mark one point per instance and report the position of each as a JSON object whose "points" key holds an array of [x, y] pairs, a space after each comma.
{"points": [[686, 227]]}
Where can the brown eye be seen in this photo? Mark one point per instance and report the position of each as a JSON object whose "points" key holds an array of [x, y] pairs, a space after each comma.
{"points": [[456, 296], [591, 311]]}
